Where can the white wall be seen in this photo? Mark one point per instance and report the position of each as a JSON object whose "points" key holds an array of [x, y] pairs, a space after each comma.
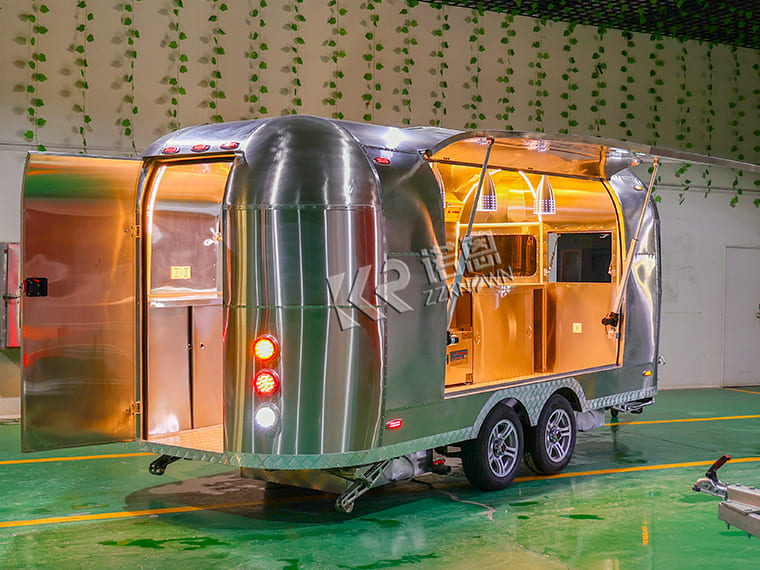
{"points": [[708, 101], [695, 235]]}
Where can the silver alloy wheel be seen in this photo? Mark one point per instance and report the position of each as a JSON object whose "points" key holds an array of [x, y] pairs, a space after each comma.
{"points": [[558, 435], [503, 448]]}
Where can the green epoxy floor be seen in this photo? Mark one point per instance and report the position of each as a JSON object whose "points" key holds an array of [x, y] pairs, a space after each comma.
{"points": [[199, 515]]}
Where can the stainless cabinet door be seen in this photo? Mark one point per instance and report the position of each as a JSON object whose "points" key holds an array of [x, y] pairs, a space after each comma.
{"points": [[79, 312]]}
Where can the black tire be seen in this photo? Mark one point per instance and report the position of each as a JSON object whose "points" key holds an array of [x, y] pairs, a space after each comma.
{"points": [[491, 460], [550, 444]]}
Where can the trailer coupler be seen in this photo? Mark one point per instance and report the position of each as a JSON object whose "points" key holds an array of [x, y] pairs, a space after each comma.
{"points": [[740, 506], [710, 483], [363, 483], [158, 467]]}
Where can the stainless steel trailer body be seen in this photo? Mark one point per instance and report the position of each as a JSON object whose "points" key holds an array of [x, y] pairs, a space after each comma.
{"points": [[333, 243]]}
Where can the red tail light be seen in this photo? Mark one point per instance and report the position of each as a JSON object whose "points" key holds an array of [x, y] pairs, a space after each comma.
{"points": [[266, 382], [266, 348], [394, 424]]}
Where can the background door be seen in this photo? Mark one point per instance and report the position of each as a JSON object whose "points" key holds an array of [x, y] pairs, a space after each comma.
{"points": [[741, 353]]}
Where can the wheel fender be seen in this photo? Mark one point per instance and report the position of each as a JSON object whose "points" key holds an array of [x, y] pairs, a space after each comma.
{"points": [[527, 400]]}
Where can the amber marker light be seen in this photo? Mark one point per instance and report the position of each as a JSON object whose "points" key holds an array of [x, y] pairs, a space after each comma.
{"points": [[266, 348], [266, 382]]}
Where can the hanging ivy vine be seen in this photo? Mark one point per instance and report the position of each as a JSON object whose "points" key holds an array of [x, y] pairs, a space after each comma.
{"points": [[710, 111], [476, 48], [440, 67], [256, 63], [628, 85], [35, 103], [83, 39], [296, 61], [571, 86], [337, 53], [684, 96], [655, 88], [709, 116], [216, 93], [737, 116], [735, 106], [538, 78], [600, 66], [405, 70], [131, 33], [173, 41], [371, 57], [508, 33]]}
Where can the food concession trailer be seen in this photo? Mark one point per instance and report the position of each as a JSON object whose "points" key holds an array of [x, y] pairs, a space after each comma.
{"points": [[339, 305]]}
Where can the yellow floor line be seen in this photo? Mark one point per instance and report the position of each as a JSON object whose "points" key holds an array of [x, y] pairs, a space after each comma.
{"points": [[745, 391], [681, 420], [73, 458], [224, 506], [630, 469]]}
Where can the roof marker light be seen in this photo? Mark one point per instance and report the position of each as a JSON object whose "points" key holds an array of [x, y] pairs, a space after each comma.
{"points": [[229, 145], [394, 424], [382, 160], [200, 148], [170, 150]]}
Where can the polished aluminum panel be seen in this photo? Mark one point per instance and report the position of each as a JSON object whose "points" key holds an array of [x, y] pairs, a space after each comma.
{"points": [[10, 287], [643, 298], [78, 375], [305, 239]]}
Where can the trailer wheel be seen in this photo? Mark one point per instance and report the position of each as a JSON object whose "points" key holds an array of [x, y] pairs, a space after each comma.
{"points": [[491, 460], [550, 444]]}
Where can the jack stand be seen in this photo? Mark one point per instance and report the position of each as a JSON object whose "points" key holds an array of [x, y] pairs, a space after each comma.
{"points": [[158, 467], [362, 484]]}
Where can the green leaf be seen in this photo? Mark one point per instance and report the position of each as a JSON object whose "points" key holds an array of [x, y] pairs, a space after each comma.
{"points": [[29, 135]]}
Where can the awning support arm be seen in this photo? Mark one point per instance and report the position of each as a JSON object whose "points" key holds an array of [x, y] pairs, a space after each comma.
{"points": [[613, 318], [467, 239]]}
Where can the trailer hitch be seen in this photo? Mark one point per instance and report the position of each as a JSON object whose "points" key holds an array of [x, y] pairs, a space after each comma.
{"points": [[710, 483], [158, 467]]}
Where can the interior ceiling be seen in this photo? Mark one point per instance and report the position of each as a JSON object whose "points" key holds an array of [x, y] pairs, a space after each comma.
{"points": [[733, 23]]}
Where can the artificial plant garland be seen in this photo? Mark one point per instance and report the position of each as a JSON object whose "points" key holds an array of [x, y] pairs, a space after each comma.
{"points": [[370, 56], [337, 53], [216, 93], [440, 67], [83, 38], [256, 62], [508, 34], [476, 49], [35, 102]]}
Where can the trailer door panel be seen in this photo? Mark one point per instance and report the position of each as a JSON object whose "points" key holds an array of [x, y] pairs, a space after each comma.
{"points": [[78, 265]]}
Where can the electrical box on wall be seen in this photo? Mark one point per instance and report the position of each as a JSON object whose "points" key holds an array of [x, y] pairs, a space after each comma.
{"points": [[10, 286]]}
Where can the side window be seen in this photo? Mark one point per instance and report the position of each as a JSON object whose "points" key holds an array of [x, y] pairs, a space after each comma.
{"points": [[492, 254], [580, 257]]}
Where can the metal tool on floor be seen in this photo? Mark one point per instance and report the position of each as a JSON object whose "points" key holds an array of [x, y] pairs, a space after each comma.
{"points": [[741, 505]]}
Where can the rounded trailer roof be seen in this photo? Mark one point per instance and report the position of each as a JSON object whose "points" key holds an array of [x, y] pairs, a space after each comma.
{"points": [[573, 155]]}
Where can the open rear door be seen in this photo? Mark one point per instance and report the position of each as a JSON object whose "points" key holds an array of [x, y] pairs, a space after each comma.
{"points": [[78, 306]]}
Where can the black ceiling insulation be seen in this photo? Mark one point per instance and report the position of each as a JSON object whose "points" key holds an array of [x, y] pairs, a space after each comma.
{"points": [[732, 23]]}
